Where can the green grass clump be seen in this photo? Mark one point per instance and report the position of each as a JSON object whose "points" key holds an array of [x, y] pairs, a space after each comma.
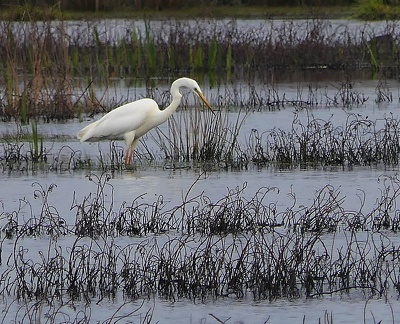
{"points": [[37, 143], [377, 10]]}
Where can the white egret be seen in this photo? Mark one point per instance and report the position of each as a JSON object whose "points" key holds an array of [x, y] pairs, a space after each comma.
{"points": [[132, 120]]}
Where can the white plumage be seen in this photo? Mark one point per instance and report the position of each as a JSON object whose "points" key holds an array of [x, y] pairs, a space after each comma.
{"points": [[131, 121]]}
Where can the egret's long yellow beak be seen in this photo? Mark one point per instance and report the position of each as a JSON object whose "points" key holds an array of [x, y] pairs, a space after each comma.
{"points": [[201, 96]]}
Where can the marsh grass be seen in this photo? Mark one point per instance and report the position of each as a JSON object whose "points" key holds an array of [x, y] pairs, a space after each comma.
{"points": [[206, 248], [67, 89], [360, 141], [194, 135], [377, 10], [37, 151], [46, 78], [207, 141]]}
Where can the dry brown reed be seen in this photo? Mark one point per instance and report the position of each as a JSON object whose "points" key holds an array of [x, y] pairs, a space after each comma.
{"points": [[37, 78]]}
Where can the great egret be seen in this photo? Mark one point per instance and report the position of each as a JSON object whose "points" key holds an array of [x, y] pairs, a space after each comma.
{"points": [[132, 120]]}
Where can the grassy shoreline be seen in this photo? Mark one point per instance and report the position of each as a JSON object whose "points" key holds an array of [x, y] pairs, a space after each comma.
{"points": [[362, 10], [243, 12], [238, 12]]}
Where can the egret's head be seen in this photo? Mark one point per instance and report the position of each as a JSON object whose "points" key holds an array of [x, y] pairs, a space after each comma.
{"points": [[201, 96], [194, 86], [196, 89]]}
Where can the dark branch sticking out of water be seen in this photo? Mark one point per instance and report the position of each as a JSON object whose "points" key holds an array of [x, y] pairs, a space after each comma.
{"points": [[204, 248]]}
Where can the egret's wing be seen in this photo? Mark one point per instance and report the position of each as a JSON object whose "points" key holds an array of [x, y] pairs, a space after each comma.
{"points": [[119, 121]]}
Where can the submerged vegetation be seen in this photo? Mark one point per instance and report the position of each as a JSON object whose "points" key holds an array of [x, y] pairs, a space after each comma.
{"points": [[204, 249]]}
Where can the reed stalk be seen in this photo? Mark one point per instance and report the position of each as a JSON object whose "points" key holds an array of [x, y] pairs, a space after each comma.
{"points": [[150, 49], [212, 55], [37, 142], [135, 51], [24, 108], [374, 61], [229, 63], [198, 58]]}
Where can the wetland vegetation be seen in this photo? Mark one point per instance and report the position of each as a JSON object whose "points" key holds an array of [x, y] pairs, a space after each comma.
{"points": [[215, 246], [51, 70], [202, 249], [289, 9], [59, 74]]}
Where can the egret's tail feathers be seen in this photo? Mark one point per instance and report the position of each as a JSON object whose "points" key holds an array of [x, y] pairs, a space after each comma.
{"points": [[85, 134]]}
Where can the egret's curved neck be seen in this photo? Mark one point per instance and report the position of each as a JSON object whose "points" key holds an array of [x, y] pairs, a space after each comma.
{"points": [[176, 99]]}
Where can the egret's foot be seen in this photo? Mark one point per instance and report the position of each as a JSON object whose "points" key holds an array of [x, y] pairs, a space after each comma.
{"points": [[130, 167]]}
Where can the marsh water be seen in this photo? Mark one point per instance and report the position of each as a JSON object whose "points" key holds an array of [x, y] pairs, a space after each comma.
{"points": [[307, 95]]}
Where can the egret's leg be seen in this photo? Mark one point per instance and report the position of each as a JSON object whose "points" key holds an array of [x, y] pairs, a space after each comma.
{"points": [[129, 152], [131, 143], [127, 156]]}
